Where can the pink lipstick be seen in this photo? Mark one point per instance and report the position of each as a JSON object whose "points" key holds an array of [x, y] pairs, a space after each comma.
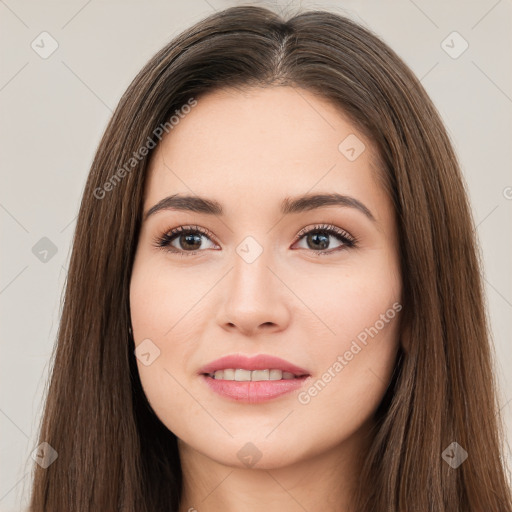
{"points": [[253, 379]]}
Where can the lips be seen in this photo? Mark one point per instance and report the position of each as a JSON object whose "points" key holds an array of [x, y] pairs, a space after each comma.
{"points": [[248, 389], [259, 362]]}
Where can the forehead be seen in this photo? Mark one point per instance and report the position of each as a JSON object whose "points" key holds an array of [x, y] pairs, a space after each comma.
{"points": [[260, 144]]}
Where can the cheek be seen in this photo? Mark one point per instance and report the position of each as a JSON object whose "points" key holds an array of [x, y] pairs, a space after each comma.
{"points": [[351, 300], [356, 345], [354, 366], [160, 300], [164, 307]]}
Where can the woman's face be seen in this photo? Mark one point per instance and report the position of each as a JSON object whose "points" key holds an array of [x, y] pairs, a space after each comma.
{"points": [[315, 283]]}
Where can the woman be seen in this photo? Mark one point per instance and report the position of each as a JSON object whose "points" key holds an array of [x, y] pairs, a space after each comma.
{"points": [[274, 298]]}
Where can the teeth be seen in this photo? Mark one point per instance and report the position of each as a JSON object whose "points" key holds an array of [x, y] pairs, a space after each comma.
{"points": [[228, 374], [260, 374], [275, 375], [242, 375]]}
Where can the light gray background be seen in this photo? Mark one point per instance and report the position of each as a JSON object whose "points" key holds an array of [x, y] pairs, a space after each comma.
{"points": [[54, 111]]}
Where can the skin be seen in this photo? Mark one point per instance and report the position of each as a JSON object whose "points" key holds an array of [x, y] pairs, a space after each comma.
{"points": [[249, 150]]}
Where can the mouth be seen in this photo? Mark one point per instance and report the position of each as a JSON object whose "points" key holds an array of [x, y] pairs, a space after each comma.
{"points": [[253, 379], [244, 375]]}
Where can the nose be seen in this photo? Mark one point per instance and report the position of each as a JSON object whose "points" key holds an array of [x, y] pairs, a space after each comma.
{"points": [[254, 300]]}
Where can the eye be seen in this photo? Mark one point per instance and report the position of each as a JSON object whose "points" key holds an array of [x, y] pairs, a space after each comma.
{"points": [[188, 240], [317, 238], [184, 240]]}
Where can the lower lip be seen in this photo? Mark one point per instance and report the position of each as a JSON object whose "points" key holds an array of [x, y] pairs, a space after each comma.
{"points": [[253, 392]]}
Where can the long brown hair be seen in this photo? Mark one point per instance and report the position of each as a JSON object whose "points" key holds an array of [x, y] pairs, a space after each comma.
{"points": [[113, 452]]}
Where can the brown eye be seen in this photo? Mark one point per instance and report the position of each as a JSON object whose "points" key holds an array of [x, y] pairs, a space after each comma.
{"points": [[189, 241], [185, 240], [318, 239]]}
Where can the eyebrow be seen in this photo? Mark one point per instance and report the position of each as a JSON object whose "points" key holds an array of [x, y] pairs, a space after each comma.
{"points": [[289, 205]]}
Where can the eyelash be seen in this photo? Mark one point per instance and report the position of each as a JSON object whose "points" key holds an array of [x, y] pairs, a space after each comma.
{"points": [[163, 242]]}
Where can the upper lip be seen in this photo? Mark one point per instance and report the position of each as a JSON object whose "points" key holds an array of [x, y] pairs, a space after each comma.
{"points": [[259, 362]]}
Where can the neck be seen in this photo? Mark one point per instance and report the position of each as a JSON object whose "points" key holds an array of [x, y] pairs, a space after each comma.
{"points": [[324, 482]]}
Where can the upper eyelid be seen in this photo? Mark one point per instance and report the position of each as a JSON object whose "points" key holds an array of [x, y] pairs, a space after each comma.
{"points": [[189, 228], [325, 227], [205, 231]]}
